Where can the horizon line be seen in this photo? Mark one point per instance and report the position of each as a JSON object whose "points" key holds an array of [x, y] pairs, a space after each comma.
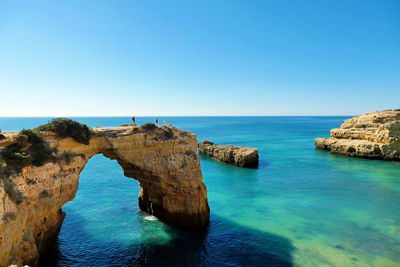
{"points": [[138, 116]]}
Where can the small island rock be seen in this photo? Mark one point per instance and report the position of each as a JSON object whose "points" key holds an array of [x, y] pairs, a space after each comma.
{"points": [[234, 155]]}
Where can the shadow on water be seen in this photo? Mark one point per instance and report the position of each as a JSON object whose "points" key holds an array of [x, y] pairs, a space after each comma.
{"points": [[361, 162], [231, 169], [222, 244]]}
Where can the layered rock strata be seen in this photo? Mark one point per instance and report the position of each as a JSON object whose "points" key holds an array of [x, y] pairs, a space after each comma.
{"points": [[374, 135], [164, 160], [234, 155]]}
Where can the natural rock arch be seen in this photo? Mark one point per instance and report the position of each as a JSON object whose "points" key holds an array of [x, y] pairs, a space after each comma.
{"points": [[164, 160]]}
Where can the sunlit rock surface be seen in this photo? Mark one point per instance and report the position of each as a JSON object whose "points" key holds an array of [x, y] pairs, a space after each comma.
{"points": [[164, 160], [374, 135], [234, 155]]}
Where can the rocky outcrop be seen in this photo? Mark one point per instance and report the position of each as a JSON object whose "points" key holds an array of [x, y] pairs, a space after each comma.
{"points": [[234, 155], [164, 160], [374, 135]]}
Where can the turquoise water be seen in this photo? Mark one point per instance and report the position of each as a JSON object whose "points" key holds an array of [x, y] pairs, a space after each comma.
{"points": [[301, 207]]}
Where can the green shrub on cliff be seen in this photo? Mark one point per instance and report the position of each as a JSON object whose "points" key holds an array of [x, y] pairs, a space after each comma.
{"points": [[149, 126], [10, 188], [2, 136], [7, 173], [169, 133], [68, 128], [29, 148]]}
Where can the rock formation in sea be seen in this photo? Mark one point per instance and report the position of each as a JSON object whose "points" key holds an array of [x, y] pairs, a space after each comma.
{"points": [[163, 160], [374, 135], [234, 155]]}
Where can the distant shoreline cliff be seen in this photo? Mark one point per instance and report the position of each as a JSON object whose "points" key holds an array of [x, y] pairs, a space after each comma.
{"points": [[374, 135]]}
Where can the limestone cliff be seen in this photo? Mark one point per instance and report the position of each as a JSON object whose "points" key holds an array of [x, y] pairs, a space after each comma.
{"points": [[374, 135], [234, 155], [164, 160]]}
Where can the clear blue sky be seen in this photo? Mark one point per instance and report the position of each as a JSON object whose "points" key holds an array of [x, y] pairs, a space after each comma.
{"points": [[69, 58]]}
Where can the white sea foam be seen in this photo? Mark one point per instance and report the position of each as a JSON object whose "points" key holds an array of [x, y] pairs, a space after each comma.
{"points": [[150, 218]]}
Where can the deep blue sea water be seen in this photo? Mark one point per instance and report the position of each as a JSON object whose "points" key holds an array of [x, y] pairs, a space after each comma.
{"points": [[301, 207]]}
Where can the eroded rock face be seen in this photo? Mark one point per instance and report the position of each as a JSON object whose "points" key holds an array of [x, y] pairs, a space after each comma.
{"points": [[374, 135], [163, 160], [234, 155]]}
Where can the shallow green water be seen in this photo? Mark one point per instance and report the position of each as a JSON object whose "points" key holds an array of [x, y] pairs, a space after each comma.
{"points": [[301, 207]]}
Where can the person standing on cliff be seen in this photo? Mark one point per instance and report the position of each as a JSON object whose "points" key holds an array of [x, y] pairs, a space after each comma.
{"points": [[165, 122], [157, 121], [134, 121]]}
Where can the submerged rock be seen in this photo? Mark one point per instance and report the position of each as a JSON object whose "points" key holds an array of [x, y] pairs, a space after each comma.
{"points": [[163, 159], [234, 155], [374, 135]]}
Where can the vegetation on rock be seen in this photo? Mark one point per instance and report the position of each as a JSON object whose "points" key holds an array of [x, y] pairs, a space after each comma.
{"points": [[29, 148], [47, 188], [169, 133], [2, 136], [149, 126], [68, 128], [13, 193]]}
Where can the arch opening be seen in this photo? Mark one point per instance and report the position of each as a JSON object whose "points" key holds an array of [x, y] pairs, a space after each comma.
{"points": [[104, 218]]}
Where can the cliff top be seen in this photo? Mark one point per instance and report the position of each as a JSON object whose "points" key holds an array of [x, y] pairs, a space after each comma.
{"points": [[373, 117], [123, 130]]}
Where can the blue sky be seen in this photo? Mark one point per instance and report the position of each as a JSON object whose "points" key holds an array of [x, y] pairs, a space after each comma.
{"points": [[110, 58]]}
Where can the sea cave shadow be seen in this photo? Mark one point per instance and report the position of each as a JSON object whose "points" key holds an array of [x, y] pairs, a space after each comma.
{"points": [[223, 243]]}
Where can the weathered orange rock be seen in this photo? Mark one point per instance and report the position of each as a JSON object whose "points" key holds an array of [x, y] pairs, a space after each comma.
{"points": [[234, 155], [164, 160], [374, 135]]}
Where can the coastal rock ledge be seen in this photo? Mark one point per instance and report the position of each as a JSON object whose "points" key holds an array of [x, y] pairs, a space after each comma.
{"points": [[234, 155], [163, 160], [374, 135]]}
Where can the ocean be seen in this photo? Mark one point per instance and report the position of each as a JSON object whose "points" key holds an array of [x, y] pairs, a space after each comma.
{"points": [[301, 207]]}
